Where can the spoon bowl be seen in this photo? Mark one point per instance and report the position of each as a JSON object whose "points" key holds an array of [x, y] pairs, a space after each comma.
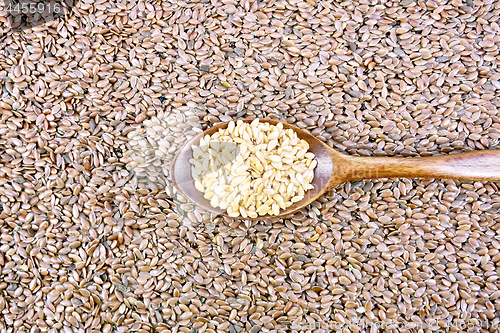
{"points": [[334, 168], [184, 182]]}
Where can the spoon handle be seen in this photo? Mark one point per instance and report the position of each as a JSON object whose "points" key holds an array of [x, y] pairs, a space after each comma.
{"points": [[475, 165]]}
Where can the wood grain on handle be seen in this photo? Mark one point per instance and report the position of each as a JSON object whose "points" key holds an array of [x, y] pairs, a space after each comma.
{"points": [[475, 165]]}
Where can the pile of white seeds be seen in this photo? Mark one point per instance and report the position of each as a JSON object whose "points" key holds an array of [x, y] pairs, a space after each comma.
{"points": [[253, 169]]}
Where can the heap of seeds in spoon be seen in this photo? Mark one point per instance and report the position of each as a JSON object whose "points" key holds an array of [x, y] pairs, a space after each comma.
{"points": [[253, 169]]}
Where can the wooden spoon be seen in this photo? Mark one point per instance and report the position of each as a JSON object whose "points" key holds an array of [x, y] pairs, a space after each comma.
{"points": [[335, 168]]}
